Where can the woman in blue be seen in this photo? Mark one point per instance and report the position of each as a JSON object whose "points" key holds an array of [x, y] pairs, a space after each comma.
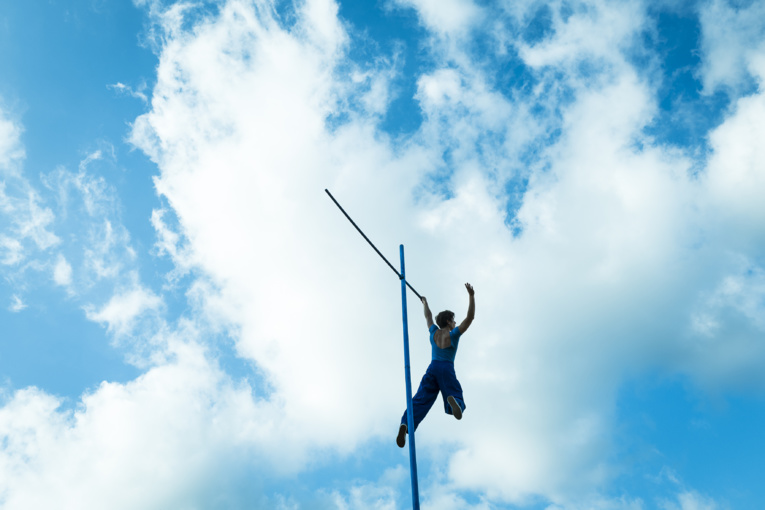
{"points": [[440, 376]]}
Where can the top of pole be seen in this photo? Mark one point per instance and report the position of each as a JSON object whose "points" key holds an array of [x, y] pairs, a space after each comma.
{"points": [[370, 243]]}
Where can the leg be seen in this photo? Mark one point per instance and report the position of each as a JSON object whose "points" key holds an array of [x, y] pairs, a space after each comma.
{"points": [[423, 399], [421, 404], [451, 390]]}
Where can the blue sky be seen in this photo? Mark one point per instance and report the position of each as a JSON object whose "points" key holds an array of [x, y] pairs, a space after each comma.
{"points": [[188, 322]]}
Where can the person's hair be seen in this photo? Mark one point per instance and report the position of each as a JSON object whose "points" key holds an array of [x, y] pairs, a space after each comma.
{"points": [[443, 318]]}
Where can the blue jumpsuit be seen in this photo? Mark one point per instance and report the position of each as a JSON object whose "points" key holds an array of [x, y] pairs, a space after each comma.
{"points": [[440, 376]]}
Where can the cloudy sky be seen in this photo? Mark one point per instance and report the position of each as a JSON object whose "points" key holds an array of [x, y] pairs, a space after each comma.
{"points": [[188, 322]]}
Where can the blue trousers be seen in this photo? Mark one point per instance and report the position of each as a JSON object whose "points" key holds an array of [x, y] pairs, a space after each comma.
{"points": [[440, 376]]}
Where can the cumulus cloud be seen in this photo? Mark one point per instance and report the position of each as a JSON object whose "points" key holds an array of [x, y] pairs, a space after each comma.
{"points": [[446, 17], [612, 242], [736, 172], [733, 44], [595, 32], [161, 440]]}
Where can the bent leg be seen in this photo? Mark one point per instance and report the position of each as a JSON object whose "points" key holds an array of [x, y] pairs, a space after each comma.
{"points": [[450, 387], [423, 399]]}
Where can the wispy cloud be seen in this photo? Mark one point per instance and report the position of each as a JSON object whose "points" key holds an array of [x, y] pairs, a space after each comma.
{"points": [[25, 223], [17, 304], [690, 501], [11, 150], [122, 310], [138, 93], [62, 272], [12, 252]]}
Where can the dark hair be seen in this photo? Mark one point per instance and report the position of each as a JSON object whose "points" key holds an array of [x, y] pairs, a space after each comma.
{"points": [[443, 318]]}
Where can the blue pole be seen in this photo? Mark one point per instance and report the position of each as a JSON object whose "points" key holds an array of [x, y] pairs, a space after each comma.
{"points": [[409, 410]]}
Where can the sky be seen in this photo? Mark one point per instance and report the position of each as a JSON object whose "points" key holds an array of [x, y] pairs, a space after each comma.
{"points": [[189, 322]]}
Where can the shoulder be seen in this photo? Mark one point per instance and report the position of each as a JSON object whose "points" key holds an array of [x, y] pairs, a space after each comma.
{"points": [[433, 328]]}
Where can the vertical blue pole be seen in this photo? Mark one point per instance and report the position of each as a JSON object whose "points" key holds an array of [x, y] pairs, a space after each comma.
{"points": [[409, 410]]}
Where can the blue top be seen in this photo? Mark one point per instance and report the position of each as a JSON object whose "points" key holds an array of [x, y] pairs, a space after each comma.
{"points": [[449, 353]]}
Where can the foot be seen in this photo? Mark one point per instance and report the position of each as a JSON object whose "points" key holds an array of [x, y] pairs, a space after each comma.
{"points": [[401, 438], [456, 409]]}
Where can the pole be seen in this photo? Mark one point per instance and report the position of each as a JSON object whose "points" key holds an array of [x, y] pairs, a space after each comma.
{"points": [[370, 242], [409, 410]]}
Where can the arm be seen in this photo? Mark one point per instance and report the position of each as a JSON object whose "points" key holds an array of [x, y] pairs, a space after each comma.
{"points": [[471, 310], [428, 314]]}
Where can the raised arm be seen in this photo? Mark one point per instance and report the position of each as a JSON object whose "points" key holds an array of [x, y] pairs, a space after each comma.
{"points": [[428, 314], [471, 310]]}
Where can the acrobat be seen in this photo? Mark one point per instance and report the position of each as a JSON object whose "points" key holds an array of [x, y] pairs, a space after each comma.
{"points": [[440, 375]]}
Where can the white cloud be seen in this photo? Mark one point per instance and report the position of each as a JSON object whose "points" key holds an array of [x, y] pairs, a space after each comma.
{"points": [[450, 500], [32, 221], [62, 272], [162, 440], [170, 243], [365, 496], [597, 32], [109, 251], [728, 325], [84, 191], [90, 205], [11, 150], [612, 244], [122, 310], [24, 222], [733, 42], [735, 173], [690, 500], [276, 273], [12, 252], [138, 93], [598, 503], [621, 249], [17, 304], [378, 84], [448, 17], [27, 220]]}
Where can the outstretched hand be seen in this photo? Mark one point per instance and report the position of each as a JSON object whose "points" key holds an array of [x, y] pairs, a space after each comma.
{"points": [[469, 289], [424, 300]]}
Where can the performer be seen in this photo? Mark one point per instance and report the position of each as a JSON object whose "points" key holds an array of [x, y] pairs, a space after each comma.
{"points": [[440, 376]]}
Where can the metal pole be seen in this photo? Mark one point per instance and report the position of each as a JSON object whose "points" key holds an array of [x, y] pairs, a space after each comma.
{"points": [[370, 242], [409, 410]]}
